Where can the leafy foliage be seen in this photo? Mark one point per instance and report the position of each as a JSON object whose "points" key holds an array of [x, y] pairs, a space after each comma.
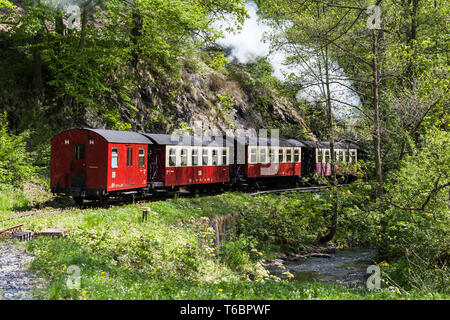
{"points": [[418, 221], [15, 167]]}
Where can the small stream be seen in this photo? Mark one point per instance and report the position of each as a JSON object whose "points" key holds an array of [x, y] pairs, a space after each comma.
{"points": [[347, 266]]}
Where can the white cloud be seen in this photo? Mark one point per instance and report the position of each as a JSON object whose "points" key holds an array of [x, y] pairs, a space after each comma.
{"points": [[249, 43]]}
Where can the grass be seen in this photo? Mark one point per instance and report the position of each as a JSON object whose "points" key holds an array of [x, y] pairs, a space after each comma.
{"points": [[122, 257], [12, 199]]}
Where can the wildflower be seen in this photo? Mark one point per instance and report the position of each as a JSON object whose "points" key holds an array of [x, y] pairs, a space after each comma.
{"points": [[220, 290], [288, 274], [84, 292]]}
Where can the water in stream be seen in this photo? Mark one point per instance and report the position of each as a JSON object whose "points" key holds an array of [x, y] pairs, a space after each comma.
{"points": [[348, 266]]}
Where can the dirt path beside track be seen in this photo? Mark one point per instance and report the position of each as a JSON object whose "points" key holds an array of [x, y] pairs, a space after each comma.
{"points": [[16, 282]]}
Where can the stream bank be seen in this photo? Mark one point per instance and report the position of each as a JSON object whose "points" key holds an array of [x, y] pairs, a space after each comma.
{"points": [[347, 266]]}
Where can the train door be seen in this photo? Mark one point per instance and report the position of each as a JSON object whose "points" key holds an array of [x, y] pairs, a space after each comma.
{"points": [[156, 166], [78, 167], [129, 180]]}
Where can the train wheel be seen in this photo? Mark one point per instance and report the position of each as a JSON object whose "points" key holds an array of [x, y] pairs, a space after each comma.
{"points": [[78, 201], [104, 200]]}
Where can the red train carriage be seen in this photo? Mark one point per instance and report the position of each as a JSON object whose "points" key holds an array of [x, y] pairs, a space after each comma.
{"points": [[269, 161], [318, 157], [187, 161], [93, 163]]}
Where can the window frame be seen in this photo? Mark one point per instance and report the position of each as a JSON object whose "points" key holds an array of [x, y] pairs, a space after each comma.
{"points": [[129, 157], [282, 153], [196, 162], [320, 156], [353, 156], [207, 156], [289, 154], [184, 153], [215, 157], [171, 163], [141, 157], [78, 153], [261, 156], [224, 156], [252, 151], [114, 157], [299, 155], [327, 156]]}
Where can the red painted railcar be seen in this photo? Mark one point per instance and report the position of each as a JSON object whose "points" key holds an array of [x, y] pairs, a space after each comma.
{"points": [[267, 160], [186, 160], [96, 164], [91, 163]]}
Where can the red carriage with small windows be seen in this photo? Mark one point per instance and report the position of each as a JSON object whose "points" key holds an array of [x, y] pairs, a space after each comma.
{"points": [[91, 163], [268, 161], [188, 161]]}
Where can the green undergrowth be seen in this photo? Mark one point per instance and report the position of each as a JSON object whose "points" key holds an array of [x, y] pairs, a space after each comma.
{"points": [[170, 255]]}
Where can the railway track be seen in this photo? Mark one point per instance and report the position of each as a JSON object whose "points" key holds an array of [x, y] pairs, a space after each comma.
{"points": [[161, 197], [296, 190]]}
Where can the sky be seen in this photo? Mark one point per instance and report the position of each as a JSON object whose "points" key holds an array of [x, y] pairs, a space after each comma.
{"points": [[249, 43]]}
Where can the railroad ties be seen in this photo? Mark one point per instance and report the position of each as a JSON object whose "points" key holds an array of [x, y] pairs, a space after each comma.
{"points": [[16, 233]]}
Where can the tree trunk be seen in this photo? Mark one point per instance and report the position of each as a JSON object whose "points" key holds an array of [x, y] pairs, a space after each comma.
{"points": [[333, 228], [376, 120]]}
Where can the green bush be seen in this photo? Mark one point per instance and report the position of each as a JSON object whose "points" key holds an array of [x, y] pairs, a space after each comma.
{"points": [[416, 241], [237, 253], [289, 221], [15, 167]]}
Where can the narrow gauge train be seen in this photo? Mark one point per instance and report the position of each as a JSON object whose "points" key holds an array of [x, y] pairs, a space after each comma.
{"points": [[97, 164]]}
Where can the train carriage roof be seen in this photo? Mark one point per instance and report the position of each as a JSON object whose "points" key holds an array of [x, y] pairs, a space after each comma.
{"points": [[258, 141], [167, 139], [114, 136], [326, 145]]}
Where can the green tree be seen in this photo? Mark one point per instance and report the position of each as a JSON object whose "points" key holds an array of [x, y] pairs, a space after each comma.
{"points": [[15, 167]]}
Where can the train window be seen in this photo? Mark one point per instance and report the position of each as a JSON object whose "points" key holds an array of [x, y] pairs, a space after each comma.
{"points": [[205, 157], [341, 155], [271, 155], [184, 157], [195, 157], [215, 157], [114, 158], [319, 155], [262, 155], [296, 155], [224, 157], [253, 155], [141, 157], [280, 155], [327, 156], [79, 152], [172, 157], [288, 155], [129, 157]]}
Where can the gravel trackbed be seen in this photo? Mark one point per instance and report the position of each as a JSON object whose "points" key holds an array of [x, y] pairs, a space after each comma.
{"points": [[16, 282]]}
